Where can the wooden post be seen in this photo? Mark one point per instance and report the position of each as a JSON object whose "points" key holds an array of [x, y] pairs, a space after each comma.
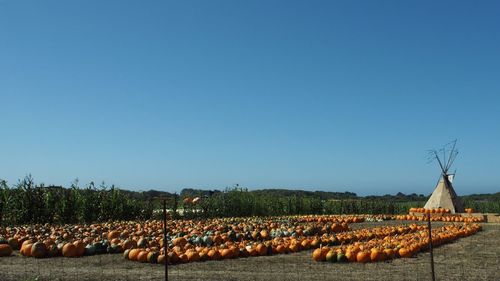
{"points": [[430, 246], [165, 242]]}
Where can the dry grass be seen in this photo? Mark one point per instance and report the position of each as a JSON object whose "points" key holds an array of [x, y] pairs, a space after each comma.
{"points": [[471, 258]]}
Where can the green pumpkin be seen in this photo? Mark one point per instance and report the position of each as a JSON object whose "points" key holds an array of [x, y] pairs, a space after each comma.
{"points": [[125, 254], [90, 250], [117, 248], [14, 244], [207, 240], [142, 243], [232, 235], [334, 241], [53, 251], [153, 257], [269, 250], [341, 257], [100, 248], [239, 237], [38, 250], [197, 241], [114, 248]]}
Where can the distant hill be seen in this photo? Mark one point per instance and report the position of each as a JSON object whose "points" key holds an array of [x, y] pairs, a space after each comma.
{"points": [[482, 197], [328, 195], [150, 194], [324, 195]]}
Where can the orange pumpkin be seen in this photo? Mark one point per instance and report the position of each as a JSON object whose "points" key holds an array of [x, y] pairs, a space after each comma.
{"points": [[128, 244], [375, 255], [173, 257], [113, 234], [404, 253], [350, 255], [26, 249], [69, 250], [389, 253], [142, 256], [261, 249], [318, 255], [183, 258], [193, 256], [5, 250], [226, 253], [80, 248], [132, 255], [180, 241], [213, 255], [162, 259], [363, 257]]}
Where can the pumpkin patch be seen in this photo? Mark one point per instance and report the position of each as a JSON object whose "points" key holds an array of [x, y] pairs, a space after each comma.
{"points": [[329, 237]]}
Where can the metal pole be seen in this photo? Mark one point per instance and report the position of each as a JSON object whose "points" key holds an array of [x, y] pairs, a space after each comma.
{"points": [[430, 246], [165, 242]]}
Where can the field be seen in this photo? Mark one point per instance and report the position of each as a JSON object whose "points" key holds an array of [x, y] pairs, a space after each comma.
{"points": [[470, 258]]}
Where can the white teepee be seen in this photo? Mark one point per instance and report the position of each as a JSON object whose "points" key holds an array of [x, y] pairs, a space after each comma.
{"points": [[444, 196]]}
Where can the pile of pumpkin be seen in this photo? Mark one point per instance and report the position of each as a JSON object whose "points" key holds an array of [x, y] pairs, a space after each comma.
{"points": [[264, 238], [446, 218], [328, 218], [378, 218], [78, 240], [394, 246], [430, 211], [214, 239], [183, 251], [43, 247], [41, 241]]}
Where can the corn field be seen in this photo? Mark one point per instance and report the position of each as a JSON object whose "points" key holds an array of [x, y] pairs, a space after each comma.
{"points": [[28, 203]]}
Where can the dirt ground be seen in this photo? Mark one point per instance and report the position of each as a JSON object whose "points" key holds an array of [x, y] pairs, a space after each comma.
{"points": [[472, 258]]}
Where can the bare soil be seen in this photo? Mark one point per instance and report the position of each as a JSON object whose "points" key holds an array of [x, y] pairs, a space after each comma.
{"points": [[472, 258]]}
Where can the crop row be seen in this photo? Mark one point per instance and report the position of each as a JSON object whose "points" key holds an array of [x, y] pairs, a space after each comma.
{"points": [[394, 246], [184, 252], [77, 240]]}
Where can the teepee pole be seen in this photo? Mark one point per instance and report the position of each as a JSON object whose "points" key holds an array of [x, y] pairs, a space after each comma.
{"points": [[440, 163], [452, 153]]}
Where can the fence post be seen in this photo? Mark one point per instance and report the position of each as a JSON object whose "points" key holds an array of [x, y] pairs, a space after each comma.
{"points": [[165, 242], [430, 246]]}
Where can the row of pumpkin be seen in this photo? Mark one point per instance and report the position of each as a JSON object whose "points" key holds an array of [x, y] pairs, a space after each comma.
{"points": [[184, 252], [74, 240], [117, 242], [437, 210], [397, 246], [446, 218], [116, 237], [430, 211]]}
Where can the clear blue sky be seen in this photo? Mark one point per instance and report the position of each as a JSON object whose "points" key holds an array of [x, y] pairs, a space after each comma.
{"points": [[326, 95]]}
